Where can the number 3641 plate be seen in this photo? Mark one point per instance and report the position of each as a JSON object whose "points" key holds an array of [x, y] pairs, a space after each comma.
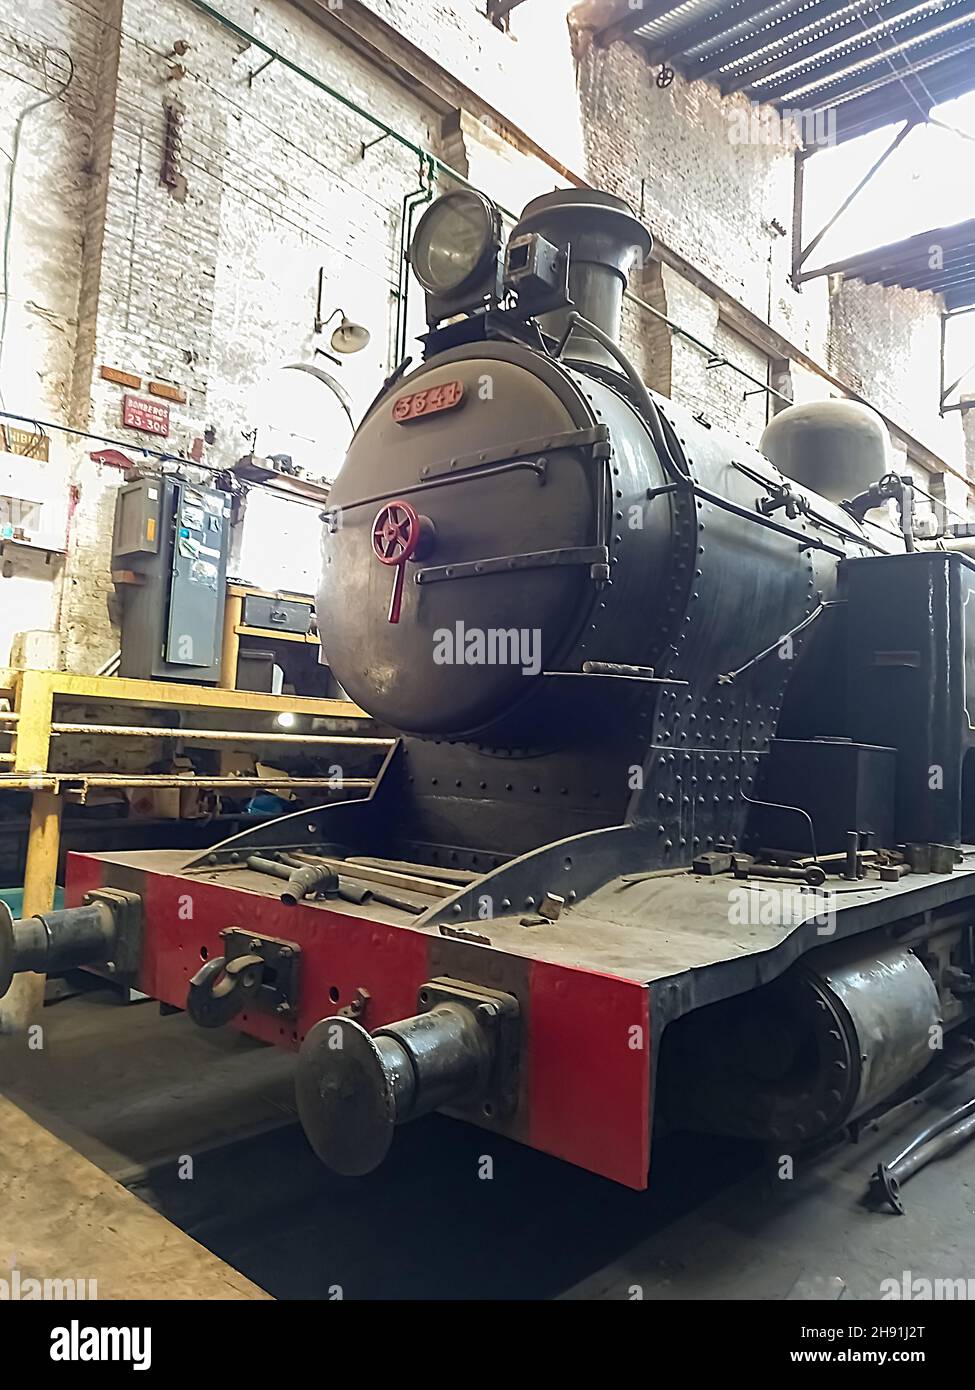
{"points": [[444, 397]]}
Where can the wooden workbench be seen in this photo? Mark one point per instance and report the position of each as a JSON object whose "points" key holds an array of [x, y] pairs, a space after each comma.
{"points": [[62, 1218], [32, 727], [234, 628]]}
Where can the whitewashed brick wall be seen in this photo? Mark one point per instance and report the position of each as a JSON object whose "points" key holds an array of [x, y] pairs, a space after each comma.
{"points": [[214, 292]]}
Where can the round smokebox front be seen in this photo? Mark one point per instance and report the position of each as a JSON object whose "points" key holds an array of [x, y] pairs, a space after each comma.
{"points": [[448, 578]]}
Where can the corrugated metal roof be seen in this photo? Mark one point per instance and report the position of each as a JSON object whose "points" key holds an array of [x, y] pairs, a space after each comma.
{"points": [[942, 260], [866, 63]]}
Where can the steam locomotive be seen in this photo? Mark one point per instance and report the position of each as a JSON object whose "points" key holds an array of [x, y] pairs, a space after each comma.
{"points": [[671, 832]]}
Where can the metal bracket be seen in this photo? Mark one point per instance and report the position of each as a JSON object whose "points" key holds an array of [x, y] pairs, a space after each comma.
{"points": [[256, 72], [126, 908], [277, 992], [802, 253], [783, 496], [595, 440], [946, 390], [503, 564], [357, 1005], [366, 145], [499, 1014]]}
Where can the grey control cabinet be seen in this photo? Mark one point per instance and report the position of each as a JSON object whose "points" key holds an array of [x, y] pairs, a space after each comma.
{"points": [[174, 537]]}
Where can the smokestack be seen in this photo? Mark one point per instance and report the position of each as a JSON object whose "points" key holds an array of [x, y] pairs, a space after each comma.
{"points": [[603, 239]]}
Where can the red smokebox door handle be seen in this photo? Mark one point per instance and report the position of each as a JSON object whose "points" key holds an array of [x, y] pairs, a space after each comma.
{"points": [[395, 537]]}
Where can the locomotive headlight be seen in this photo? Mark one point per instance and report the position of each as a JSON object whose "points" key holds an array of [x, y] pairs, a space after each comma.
{"points": [[457, 240]]}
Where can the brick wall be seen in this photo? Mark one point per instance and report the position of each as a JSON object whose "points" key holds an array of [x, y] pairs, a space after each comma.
{"points": [[50, 192], [673, 153], [40, 44], [887, 338], [712, 175], [214, 290]]}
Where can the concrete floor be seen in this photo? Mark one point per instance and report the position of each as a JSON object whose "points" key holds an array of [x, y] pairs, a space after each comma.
{"points": [[63, 1219], [137, 1093]]}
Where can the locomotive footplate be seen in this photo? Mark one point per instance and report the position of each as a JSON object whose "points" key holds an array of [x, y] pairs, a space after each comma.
{"points": [[556, 1034]]}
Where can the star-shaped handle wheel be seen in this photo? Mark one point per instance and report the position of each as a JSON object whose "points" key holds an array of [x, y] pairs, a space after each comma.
{"points": [[395, 537]]}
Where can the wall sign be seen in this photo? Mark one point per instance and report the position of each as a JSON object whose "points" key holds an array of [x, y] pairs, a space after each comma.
{"points": [[26, 442], [152, 417]]}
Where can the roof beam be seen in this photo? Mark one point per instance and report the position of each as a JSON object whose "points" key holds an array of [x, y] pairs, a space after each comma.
{"points": [[920, 263], [628, 23], [939, 282], [959, 235], [884, 106], [866, 75], [910, 273], [921, 277], [760, 36], [948, 238], [928, 287], [716, 30], [962, 298], [798, 275], [851, 33]]}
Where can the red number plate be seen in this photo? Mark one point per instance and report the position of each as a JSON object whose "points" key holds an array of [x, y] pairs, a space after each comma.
{"points": [[444, 397]]}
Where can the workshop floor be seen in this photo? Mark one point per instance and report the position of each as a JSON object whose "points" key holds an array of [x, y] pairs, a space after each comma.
{"points": [[139, 1094]]}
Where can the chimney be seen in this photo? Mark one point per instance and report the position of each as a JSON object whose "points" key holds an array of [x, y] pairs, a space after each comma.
{"points": [[603, 240]]}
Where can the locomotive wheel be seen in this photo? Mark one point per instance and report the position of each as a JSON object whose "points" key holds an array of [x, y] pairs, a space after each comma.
{"points": [[801, 1057], [778, 1065]]}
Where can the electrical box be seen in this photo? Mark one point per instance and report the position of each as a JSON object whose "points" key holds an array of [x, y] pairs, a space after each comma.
{"points": [[137, 511], [172, 538]]}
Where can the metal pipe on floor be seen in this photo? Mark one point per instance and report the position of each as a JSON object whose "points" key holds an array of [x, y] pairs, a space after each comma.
{"points": [[943, 1136]]}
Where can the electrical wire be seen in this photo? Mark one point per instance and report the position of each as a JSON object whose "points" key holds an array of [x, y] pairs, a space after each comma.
{"points": [[41, 427], [908, 70], [47, 53], [290, 65]]}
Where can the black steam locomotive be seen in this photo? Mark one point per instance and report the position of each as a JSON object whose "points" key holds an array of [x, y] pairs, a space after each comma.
{"points": [[684, 734], [721, 661]]}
